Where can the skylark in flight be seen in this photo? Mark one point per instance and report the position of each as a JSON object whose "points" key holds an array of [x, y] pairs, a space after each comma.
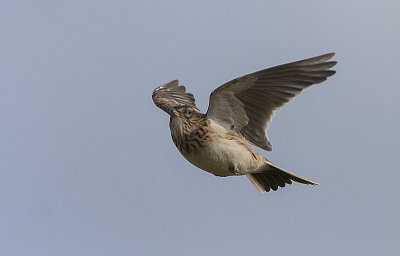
{"points": [[220, 141]]}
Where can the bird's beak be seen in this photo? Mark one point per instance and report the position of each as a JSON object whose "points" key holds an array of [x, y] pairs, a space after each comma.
{"points": [[176, 113]]}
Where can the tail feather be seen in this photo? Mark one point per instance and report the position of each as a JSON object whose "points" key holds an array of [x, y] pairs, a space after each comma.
{"points": [[273, 177]]}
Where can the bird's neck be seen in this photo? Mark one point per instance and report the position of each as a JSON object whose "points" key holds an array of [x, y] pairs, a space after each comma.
{"points": [[188, 135]]}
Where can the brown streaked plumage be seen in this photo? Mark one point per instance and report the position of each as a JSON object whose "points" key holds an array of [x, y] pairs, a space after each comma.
{"points": [[239, 111]]}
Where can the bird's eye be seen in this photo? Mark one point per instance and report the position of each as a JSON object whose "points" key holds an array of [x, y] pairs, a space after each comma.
{"points": [[188, 112]]}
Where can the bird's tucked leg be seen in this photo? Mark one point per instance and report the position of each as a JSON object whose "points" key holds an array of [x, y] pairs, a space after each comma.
{"points": [[233, 169]]}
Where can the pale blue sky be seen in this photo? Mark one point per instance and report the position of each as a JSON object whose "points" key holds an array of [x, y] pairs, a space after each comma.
{"points": [[87, 165]]}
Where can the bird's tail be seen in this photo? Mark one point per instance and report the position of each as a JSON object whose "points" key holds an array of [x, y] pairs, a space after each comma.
{"points": [[272, 176]]}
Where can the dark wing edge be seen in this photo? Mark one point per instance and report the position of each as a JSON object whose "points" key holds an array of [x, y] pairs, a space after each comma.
{"points": [[247, 104], [170, 95]]}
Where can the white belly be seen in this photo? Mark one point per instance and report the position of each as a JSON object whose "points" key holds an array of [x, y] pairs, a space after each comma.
{"points": [[224, 157]]}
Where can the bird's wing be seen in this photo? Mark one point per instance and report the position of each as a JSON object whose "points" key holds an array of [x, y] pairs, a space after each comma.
{"points": [[247, 104], [170, 95]]}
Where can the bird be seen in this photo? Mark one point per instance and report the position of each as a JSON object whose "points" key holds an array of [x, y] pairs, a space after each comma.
{"points": [[221, 141]]}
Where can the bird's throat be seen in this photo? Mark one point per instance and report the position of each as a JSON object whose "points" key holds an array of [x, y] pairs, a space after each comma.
{"points": [[189, 135]]}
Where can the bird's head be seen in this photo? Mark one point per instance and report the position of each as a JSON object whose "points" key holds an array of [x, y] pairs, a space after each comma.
{"points": [[182, 112], [185, 116]]}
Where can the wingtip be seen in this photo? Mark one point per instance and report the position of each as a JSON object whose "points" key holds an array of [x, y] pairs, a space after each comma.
{"points": [[331, 72], [326, 57]]}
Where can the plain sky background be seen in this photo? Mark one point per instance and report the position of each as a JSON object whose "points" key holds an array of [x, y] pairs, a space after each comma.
{"points": [[87, 165]]}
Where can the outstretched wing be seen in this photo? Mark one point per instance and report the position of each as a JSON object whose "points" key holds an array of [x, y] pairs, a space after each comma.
{"points": [[170, 95], [247, 104]]}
